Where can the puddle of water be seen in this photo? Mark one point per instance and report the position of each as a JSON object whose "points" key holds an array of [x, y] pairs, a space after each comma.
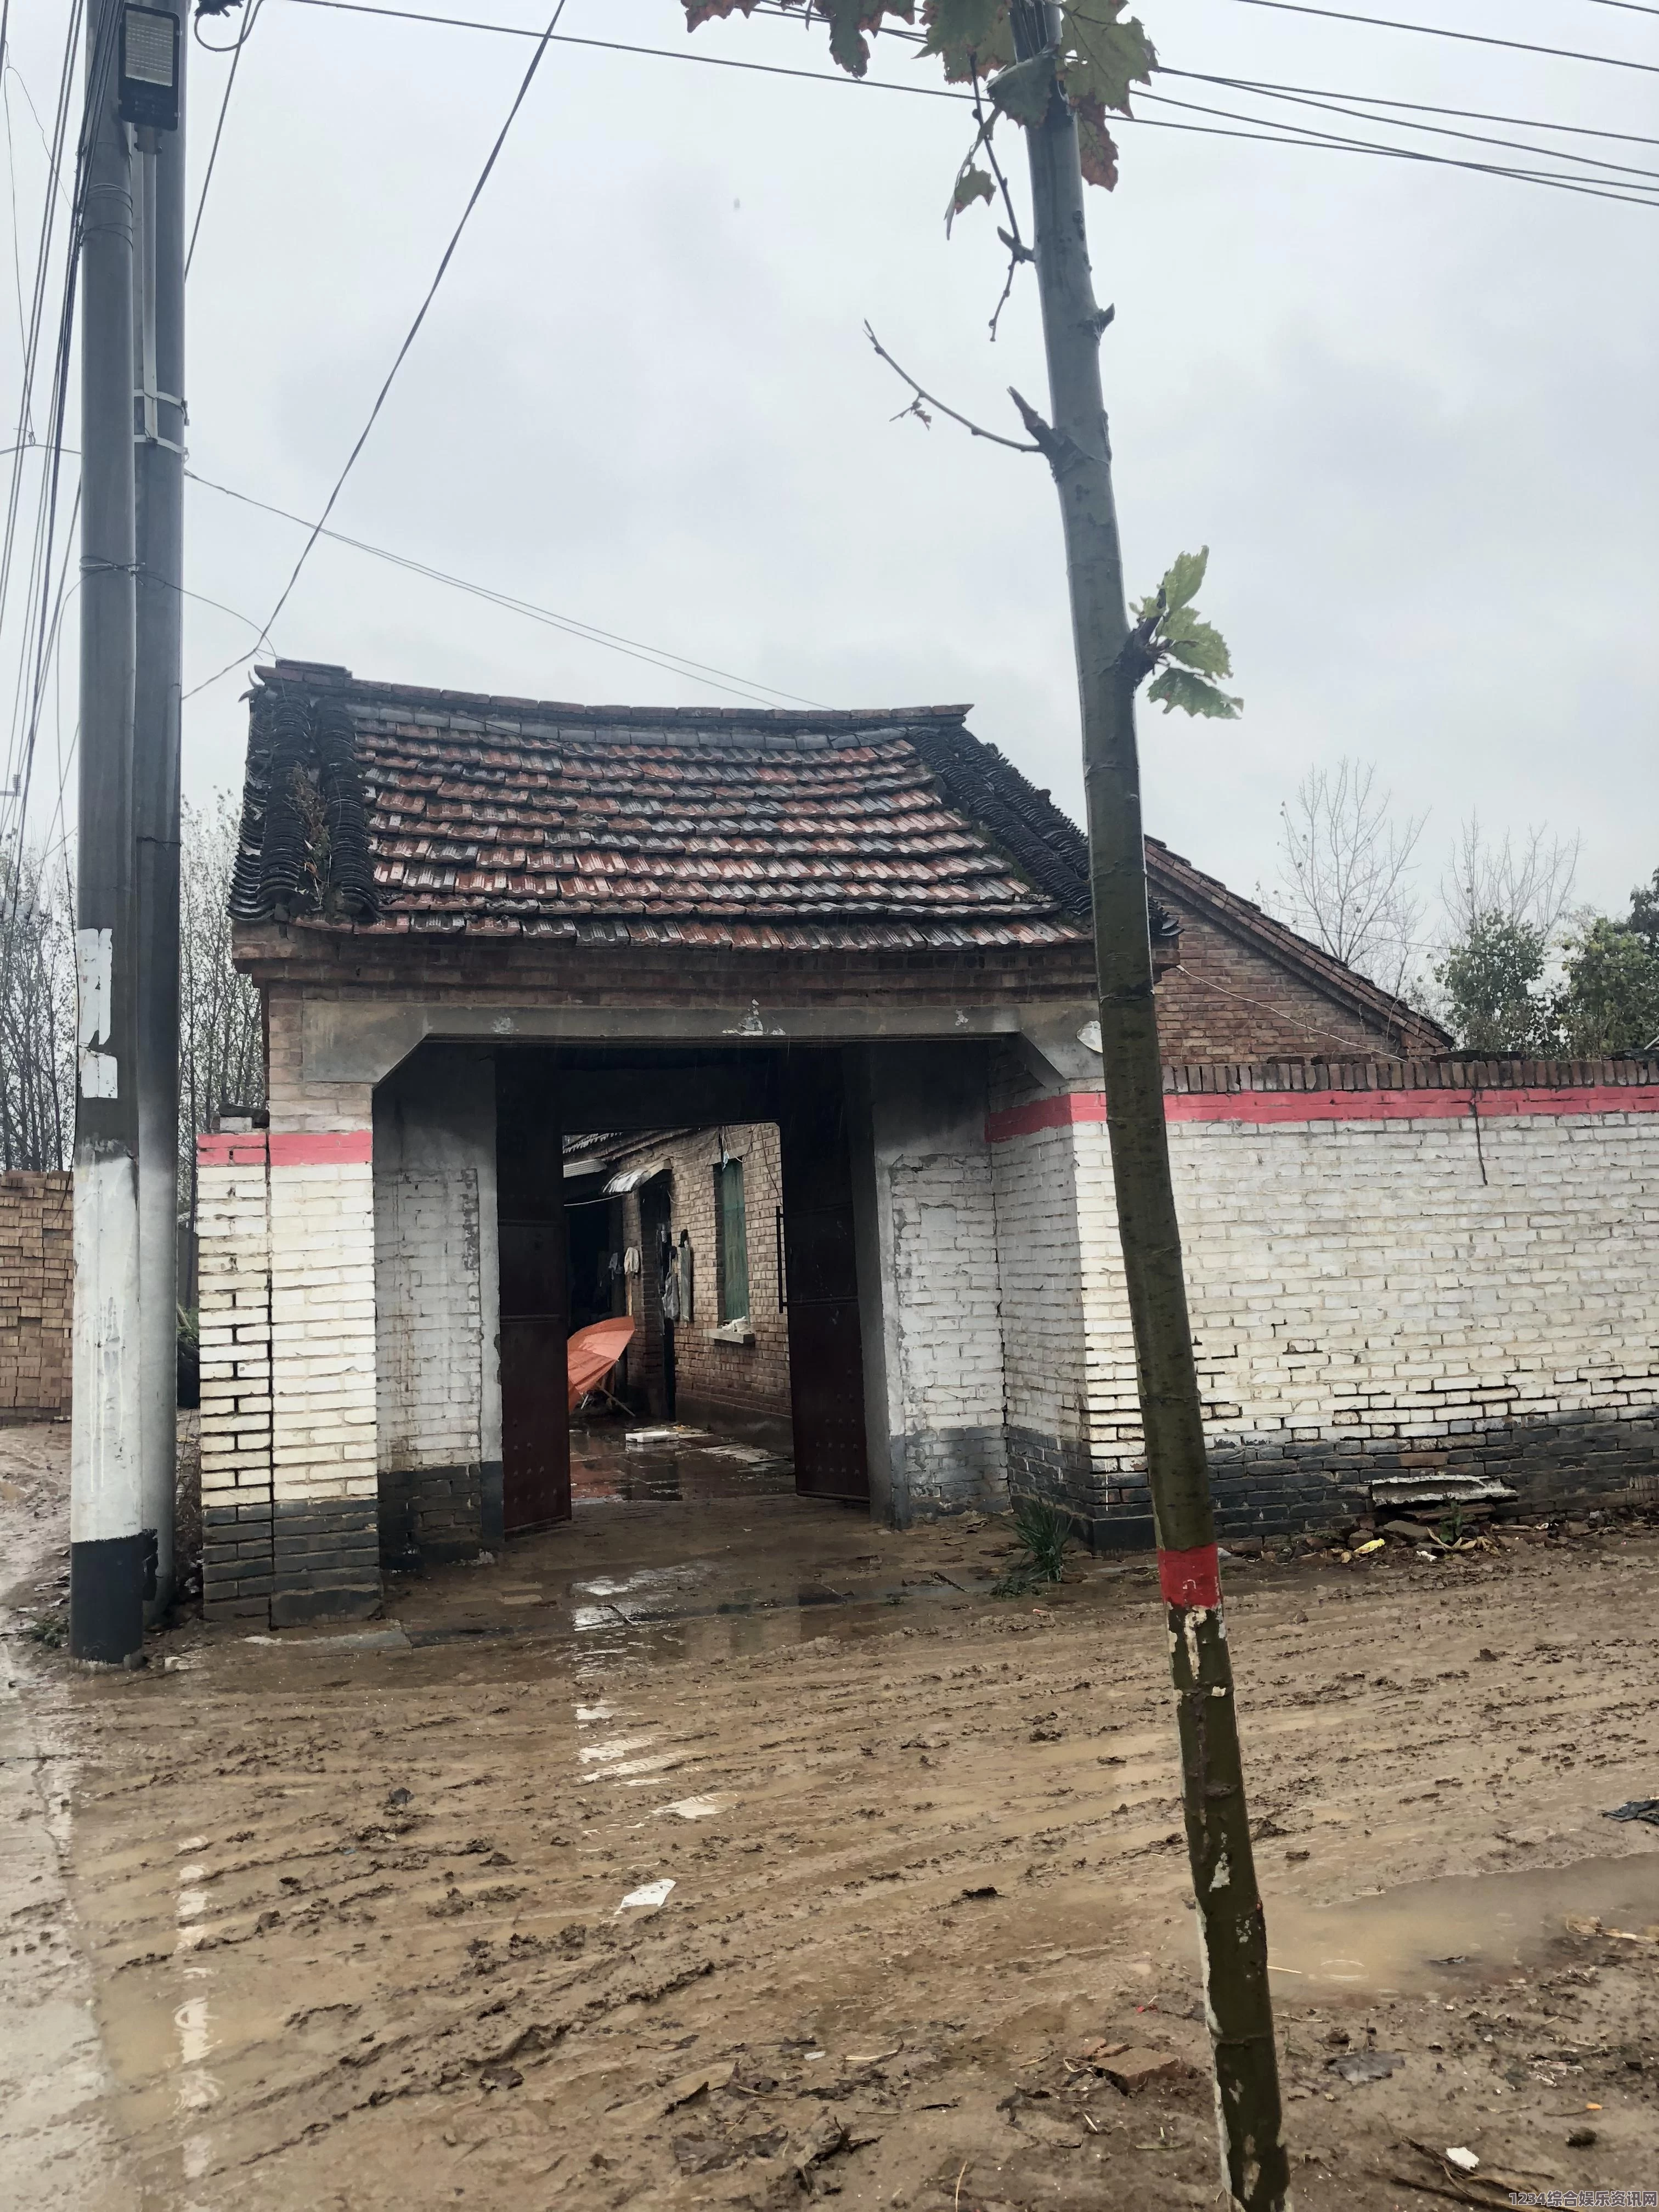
{"points": [[1431, 1934]]}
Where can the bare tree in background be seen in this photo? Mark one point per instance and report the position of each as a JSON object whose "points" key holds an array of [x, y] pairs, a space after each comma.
{"points": [[1527, 886], [1345, 866], [220, 1043], [37, 1017]]}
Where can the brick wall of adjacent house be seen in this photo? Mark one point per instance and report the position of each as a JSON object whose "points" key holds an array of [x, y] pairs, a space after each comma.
{"points": [[713, 1374], [1412, 1269], [1229, 1001], [36, 1292]]}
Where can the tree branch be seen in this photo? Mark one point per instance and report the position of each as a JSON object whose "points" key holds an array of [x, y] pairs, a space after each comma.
{"points": [[1053, 447], [904, 375], [1017, 249]]}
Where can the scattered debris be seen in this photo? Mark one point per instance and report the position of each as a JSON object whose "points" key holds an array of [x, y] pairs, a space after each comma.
{"points": [[1357, 2066], [648, 1897], [697, 2083], [1464, 2160], [1131, 2069], [985, 1889], [697, 1809], [1636, 1808]]}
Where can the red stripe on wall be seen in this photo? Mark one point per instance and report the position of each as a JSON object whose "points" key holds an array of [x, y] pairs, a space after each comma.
{"points": [[1263, 1107], [242, 1148], [320, 1148], [1063, 1112]]}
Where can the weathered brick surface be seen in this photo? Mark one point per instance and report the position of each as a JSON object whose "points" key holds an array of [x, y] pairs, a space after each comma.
{"points": [[234, 1306], [1229, 999], [946, 1366], [36, 1294], [1470, 1290]]}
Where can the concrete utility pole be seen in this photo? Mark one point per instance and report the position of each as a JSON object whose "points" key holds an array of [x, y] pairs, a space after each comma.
{"points": [[107, 1548], [158, 469]]}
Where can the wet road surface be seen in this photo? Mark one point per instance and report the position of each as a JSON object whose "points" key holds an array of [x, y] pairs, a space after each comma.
{"points": [[720, 1844]]}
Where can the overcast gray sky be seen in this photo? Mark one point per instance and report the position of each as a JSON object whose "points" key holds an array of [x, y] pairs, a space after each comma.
{"points": [[1403, 405]]}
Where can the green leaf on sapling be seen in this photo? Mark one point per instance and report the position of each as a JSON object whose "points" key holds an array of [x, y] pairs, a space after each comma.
{"points": [[1185, 579], [972, 184], [1200, 644], [969, 24], [1179, 687], [1103, 55]]}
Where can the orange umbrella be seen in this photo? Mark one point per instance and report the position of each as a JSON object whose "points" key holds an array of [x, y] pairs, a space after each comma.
{"points": [[593, 1351]]}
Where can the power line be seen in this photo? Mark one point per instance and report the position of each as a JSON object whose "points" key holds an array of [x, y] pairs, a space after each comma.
{"points": [[657, 53], [101, 64], [235, 53], [1416, 107], [1333, 106], [1334, 142], [1604, 188], [1467, 37], [414, 331], [675, 664]]}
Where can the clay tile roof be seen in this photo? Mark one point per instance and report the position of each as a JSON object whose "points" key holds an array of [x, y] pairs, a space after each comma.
{"points": [[720, 827]]}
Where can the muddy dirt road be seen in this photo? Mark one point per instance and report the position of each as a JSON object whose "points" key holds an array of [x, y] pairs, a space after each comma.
{"points": [[352, 1912]]}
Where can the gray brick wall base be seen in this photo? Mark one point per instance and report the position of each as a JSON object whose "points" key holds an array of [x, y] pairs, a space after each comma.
{"points": [[433, 1513], [940, 1471], [325, 1561], [236, 1563], [1266, 1486]]}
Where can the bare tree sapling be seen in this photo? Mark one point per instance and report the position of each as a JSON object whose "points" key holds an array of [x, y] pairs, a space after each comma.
{"points": [[1056, 70]]}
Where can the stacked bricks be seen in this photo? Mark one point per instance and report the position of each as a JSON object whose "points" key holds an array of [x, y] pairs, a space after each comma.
{"points": [[233, 1229], [36, 1294]]}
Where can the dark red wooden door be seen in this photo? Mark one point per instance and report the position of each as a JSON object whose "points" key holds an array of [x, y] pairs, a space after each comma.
{"points": [[535, 1294], [826, 1360]]}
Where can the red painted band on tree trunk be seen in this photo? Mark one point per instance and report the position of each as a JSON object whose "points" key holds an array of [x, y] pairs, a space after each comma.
{"points": [[1190, 1578]]}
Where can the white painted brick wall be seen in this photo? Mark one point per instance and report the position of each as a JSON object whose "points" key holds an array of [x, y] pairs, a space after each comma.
{"points": [[322, 1327], [945, 1285], [233, 1313], [1359, 1280], [429, 1338]]}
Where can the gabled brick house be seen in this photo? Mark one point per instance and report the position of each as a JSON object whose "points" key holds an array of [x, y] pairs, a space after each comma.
{"points": [[479, 924]]}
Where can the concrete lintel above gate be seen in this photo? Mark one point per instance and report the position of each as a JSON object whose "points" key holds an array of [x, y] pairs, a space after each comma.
{"points": [[361, 1040]]}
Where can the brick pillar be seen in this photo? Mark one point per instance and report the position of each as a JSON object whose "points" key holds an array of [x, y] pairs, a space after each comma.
{"points": [[325, 1540], [232, 1225]]}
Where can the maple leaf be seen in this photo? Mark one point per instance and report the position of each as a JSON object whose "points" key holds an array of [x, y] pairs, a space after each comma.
{"points": [[1101, 56], [1096, 149], [972, 184]]}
